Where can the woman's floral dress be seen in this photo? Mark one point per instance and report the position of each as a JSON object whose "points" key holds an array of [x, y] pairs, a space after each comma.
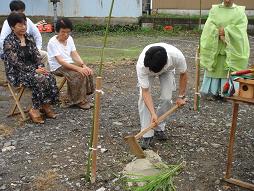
{"points": [[20, 65]]}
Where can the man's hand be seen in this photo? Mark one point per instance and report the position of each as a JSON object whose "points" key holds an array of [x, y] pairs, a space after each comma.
{"points": [[85, 71], [222, 34], [181, 101], [221, 31], [154, 119], [42, 70], [90, 71]]}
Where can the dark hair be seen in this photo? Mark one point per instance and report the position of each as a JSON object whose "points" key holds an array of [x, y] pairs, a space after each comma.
{"points": [[17, 5], [63, 23], [155, 58], [15, 18]]}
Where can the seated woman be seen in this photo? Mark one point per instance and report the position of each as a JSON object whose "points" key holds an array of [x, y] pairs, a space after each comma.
{"points": [[65, 61], [23, 67]]}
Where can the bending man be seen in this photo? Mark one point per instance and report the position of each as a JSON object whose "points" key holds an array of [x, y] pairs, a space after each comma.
{"points": [[159, 60]]}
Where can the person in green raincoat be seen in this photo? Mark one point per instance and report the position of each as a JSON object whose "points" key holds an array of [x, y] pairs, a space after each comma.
{"points": [[224, 46]]}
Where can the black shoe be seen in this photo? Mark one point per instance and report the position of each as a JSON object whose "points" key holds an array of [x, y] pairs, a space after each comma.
{"points": [[214, 98], [145, 143], [210, 97], [160, 135]]}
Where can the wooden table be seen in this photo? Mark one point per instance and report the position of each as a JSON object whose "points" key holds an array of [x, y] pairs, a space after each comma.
{"points": [[228, 177]]}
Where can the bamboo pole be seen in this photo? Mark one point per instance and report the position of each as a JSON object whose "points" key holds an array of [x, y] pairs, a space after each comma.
{"points": [[92, 154], [105, 38]]}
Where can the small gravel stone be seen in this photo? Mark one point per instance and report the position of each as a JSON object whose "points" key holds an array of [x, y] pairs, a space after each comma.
{"points": [[215, 145], [8, 148], [54, 156], [101, 189], [3, 187], [7, 144]]}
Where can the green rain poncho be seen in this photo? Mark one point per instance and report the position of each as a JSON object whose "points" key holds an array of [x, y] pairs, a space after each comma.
{"points": [[216, 56]]}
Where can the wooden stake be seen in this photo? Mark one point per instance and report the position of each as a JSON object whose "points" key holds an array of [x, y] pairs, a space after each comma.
{"points": [[232, 140], [197, 63], [197, 79], [98, 92]]}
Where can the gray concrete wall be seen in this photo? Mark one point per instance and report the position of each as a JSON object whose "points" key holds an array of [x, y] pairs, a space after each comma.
{"points": [[191, 12], [195, 4]]}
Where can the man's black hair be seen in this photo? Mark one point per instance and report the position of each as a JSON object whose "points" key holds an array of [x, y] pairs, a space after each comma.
{"points": [[17, 5], [63, 23], [155, 58], [15, 18]]}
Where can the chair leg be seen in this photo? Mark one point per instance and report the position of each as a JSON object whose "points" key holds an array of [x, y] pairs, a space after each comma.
{"points": [[62, 83], [17, 101], [20, 93]]}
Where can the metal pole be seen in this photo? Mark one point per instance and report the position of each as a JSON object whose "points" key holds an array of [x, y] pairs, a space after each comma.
{"points": [[55, 10], [55, 14]]}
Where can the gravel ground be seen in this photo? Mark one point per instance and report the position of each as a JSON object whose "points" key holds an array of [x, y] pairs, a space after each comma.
{"points": [[53, 156]]}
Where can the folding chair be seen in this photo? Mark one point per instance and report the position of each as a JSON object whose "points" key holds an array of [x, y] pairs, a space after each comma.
{"points": [[17, 94]]}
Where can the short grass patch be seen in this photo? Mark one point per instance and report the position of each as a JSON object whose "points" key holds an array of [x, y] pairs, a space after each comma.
{"points": [[46, 181], [125, 45], [5, 131]]}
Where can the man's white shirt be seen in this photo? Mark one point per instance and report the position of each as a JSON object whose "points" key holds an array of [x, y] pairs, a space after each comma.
{"points": [[55, 48]]}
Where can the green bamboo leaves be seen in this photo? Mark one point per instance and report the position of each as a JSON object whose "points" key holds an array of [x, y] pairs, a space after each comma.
{"points": [[162, 181]]}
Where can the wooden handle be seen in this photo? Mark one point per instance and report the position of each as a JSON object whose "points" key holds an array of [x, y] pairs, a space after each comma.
{"points": [[241, 72], [160, 119]]}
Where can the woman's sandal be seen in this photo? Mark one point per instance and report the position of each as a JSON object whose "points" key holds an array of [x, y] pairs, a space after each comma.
{"points": [[84, 105], [47, 109], [35, 116]]}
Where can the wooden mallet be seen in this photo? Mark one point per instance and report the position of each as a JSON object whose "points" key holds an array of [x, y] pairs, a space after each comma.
{"points": [[132, 140]]}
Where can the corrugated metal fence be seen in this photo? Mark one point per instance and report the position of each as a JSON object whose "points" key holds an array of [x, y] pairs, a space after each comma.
{"points": [[79, 8]]}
